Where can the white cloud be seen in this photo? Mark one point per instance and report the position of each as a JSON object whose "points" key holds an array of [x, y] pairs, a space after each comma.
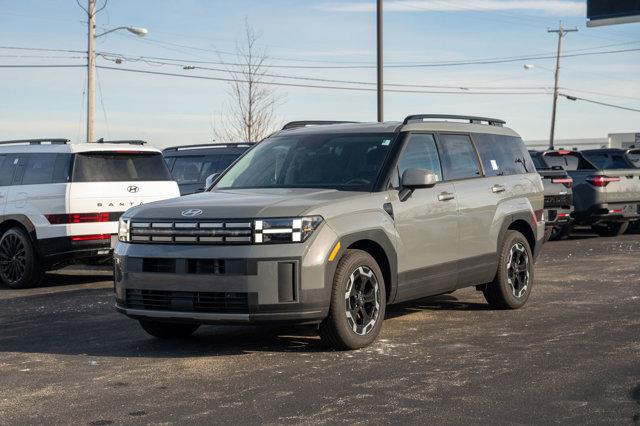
{"points": [[549, 7]]}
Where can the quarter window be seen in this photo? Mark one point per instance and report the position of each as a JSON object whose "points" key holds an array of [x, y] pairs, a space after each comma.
{"points": [[459, 159], [503, 155]]}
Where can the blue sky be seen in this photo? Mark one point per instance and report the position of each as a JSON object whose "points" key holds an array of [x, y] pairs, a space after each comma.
{"points": [[171, 110]]}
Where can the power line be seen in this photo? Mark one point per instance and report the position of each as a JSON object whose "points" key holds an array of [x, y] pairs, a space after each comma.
{"points": [[42, 49], [591, 92], [358, 89], [325, 80], [41, 66], [422, 65], [574, 98]]}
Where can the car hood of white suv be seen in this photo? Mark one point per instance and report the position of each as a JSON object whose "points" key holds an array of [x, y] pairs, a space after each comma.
{"points": [[241, 203]]}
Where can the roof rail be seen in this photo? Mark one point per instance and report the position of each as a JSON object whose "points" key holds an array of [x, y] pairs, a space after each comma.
{"points": [[205, 145], [130, 142], [471, 119], [305, 123], [50, 141]]}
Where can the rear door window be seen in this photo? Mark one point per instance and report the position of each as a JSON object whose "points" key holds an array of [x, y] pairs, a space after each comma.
{"points": [[7, 168], [634, 158], [503, 155], [458, 156], [120, 167]]}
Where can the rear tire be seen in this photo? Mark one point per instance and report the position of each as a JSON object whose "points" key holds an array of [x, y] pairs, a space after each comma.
{"points": [[561, 232], [511, 287], [19, 263], [358, 302], [168, 330], [610, 229]]}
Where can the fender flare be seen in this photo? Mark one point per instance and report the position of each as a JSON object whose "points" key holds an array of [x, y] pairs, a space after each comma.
{"points": [[379, 237], [524, 216]]}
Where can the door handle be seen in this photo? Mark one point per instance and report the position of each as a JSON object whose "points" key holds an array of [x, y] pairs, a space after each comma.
{"points": [[497, 188], [446, 196]]}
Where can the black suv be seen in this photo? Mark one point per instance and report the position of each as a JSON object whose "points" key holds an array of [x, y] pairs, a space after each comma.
{"points": [[191, 165]]}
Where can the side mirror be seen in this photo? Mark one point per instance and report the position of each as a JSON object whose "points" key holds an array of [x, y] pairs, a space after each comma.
{"points": [[210, 180], [416, 178]]}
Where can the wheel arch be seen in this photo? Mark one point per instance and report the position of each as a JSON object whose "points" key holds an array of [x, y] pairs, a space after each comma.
{"points": [[377, 244], [520, 222]]}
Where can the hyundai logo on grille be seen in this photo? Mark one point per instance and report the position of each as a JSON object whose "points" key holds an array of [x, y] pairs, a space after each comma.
{"points": [[191, 212], [133, 189]]}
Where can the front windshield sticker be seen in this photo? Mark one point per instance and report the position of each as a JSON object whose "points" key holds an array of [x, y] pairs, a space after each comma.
{"points": [[386, 142], [494, 165]]}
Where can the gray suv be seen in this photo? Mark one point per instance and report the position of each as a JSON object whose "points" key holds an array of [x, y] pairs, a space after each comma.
{"points": [[328, 224]]}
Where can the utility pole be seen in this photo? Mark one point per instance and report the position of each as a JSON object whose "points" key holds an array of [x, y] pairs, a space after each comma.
{"points": [[91, 69], [380, 62], [561, 31]]}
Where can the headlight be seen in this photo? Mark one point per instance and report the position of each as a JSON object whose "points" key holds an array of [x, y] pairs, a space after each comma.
{"points": [[285, 230], [123, 230]]}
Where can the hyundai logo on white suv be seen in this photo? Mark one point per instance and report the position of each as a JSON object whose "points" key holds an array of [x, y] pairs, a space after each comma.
{"points": [[191, 212], [133, 189]]}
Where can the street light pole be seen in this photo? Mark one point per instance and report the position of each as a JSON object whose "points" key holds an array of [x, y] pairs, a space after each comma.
{"points": [[561, 33], [380, 61], [91, 70]]}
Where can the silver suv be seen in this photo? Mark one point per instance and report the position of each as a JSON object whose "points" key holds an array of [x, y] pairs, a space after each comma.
{"points": [[328, 224]]}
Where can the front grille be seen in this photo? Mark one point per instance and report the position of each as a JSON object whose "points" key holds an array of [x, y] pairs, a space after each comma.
{"points": [[218, 232], [187, 301], [558, 200]]}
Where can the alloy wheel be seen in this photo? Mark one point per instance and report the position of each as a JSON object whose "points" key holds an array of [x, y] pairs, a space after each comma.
{"points": [[13, 258], [362, 300], [518, 272]]}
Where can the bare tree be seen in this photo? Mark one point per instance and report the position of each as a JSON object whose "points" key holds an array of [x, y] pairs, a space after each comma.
{"points": [[249, 113]]}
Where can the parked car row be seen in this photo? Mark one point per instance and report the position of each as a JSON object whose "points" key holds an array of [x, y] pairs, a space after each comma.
{"points": [[602, 190], [322, 223]]}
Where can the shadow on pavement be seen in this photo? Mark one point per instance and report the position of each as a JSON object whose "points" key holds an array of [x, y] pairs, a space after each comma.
{"points": [[84, 322]]}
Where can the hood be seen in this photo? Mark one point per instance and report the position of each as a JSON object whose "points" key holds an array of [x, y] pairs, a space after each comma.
{"points": [[242, 203]]}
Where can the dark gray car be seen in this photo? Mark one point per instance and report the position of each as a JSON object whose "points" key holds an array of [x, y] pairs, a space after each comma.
{"points": [[329, 224], [190, 165]]}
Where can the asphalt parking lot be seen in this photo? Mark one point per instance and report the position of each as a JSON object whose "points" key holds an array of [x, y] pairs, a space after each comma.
{"points": [[572, 355]]}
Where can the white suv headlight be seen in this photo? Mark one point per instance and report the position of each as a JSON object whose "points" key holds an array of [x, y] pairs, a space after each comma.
{"points": [[284, 230], [123, 230]]}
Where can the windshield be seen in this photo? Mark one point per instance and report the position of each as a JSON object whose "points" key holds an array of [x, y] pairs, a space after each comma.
{"points": [[120, 167], [346, 162]]}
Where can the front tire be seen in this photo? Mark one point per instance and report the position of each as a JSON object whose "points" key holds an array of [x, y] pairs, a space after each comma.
{"points": [[610, 229], [358, 302], [168, 330], [19, 263], [512, 284]]}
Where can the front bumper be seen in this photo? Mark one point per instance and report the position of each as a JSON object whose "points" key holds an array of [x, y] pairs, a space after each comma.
{"points": [[218, 284]]}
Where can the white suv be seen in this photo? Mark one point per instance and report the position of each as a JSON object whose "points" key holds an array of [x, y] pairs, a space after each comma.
{"points": [[60, 202]]}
